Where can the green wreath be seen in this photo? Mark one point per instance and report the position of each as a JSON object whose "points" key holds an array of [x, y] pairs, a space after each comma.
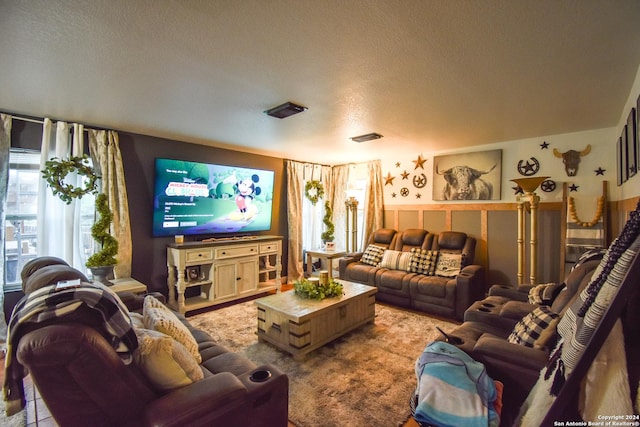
{"points": [[314, 191], [56, 170]]}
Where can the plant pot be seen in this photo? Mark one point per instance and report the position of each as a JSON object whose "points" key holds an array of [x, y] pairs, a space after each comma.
{"points": [[102, 274]]}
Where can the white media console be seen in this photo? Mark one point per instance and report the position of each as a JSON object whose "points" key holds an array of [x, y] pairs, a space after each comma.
{"points": [[223, 270]]}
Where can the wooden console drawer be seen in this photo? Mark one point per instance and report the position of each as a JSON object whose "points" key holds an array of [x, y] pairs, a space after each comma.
{"points": [[267, 248], [199, 255], [236, 251]]}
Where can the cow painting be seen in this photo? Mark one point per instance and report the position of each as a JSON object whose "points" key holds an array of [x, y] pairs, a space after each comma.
{"points": [[571, 159], [465, 183]]}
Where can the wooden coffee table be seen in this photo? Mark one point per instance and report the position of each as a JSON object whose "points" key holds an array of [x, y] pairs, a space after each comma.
{"points": [[298, 325]]}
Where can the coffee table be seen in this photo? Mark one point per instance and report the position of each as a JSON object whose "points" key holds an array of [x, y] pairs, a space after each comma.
{"points": [[298, 325]]}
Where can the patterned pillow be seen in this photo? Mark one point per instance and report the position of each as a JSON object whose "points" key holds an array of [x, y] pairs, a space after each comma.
{"points": [[423, 261], [158, 317], [448, 264], [529, 329], [372, 255], [165, 362], [545, 293], [396, 260]]}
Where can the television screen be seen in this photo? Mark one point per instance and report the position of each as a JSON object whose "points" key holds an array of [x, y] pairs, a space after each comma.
{"points": [[200, 198]]}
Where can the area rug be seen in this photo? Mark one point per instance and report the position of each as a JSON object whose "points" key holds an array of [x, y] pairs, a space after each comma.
{"points": [[364, 378]]}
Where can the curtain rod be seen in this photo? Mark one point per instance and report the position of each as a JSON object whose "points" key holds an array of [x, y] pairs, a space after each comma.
{"points": [[41, 121]]}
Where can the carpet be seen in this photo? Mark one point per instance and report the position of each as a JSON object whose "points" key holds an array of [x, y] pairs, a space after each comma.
{"points": [[364, 378]]}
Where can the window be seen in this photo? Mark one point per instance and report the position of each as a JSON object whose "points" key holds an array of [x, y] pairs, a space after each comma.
{"points": [[21, 216], [21, 226]]}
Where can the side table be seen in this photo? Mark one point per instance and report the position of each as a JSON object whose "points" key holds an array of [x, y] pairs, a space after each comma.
{"points": [[322, 254], [128, 284]]}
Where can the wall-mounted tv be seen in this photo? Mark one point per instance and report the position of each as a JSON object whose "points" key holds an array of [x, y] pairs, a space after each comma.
{"points": [[193, 198]]}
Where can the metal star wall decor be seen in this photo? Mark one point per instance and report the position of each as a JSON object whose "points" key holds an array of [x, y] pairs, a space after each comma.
{"points": [[419, 162], [600, 171], [544, 145], [393, 195], [517, 190], [573, 187], [418, 195], [388, 180], [397, 164], [405, 175]]}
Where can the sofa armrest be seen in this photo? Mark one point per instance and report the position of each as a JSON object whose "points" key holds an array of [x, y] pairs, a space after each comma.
{"points": [[209, 397], [223, 399], [470, 287], [135, 302], [492, 347], [345, 261], [521, 293]]}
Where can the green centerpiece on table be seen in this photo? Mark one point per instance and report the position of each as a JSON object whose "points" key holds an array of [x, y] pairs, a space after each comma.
{"points": [[314, 289]]}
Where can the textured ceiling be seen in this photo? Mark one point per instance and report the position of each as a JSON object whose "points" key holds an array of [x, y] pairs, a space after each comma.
{"points": [[428, 75]]}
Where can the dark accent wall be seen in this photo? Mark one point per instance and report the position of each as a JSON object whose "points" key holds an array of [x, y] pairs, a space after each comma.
{"points": [[149, 263]]}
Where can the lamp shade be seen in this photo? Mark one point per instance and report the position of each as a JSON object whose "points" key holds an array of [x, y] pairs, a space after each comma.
{"points": [[530, 184]]}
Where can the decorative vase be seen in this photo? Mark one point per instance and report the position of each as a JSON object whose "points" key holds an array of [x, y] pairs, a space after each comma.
{"points": [[102, 274]]}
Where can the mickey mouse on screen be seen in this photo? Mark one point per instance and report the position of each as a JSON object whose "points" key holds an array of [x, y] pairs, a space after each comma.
{"points": [[245, 190]]}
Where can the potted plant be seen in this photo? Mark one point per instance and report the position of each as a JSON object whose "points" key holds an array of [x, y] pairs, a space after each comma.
{"points": [[327, 235], [102, 262]]}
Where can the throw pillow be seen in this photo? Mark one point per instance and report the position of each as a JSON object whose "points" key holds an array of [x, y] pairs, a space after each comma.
{"points": [[423, 261], [372, 255], [165, 362], [396, 260], [158, 317], [531, 327], [448, 264], [545, 293]]}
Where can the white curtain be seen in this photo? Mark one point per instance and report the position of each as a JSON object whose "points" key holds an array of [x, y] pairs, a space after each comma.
{"points": [[5, 145], [340, 175], [104, 147], [58, 223], [374, 201]]}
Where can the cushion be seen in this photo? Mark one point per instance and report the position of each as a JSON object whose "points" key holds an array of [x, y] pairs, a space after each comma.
{"points": [[372, 255], [545, 293], [396, 260], [165, 362], [158, 317], [531, 327], [423, 261], [448, 265]]}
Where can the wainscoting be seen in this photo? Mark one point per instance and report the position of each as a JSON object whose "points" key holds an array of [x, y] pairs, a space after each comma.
{"points": [[494, 225]]}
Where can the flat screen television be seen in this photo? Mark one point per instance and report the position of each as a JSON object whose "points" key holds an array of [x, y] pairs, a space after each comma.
{"points": [[193, 198]]}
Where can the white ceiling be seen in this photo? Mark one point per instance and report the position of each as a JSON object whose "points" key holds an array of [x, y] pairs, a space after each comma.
{"points": [[428, 75]]}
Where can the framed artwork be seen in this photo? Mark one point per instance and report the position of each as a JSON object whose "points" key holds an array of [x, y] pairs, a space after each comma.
{"points": [[620, 162], [193, 273], [469, 176], [637, 140], [632, 144]]}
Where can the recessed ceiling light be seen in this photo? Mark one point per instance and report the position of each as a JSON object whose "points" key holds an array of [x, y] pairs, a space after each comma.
{"points": [[285, 110], [367, 137]]}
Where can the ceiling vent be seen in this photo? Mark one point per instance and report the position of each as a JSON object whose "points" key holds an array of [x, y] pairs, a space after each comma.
{"points": [[367, 137], [285, 110]]}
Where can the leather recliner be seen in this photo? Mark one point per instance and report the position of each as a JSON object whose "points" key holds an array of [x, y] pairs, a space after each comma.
{"points": [[83, 381]]}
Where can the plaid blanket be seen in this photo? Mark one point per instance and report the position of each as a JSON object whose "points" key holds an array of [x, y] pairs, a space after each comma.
{"points": [[46, 304]]}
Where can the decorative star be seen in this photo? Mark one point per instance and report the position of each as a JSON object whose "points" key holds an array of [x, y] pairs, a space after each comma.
{"points": [[397, 164], [528, 168], [573, 187], [517, 190], [600, 171], [544, 145], [418, 195], [393, 195], [419, 162], [405, 175], [388, 180]]}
